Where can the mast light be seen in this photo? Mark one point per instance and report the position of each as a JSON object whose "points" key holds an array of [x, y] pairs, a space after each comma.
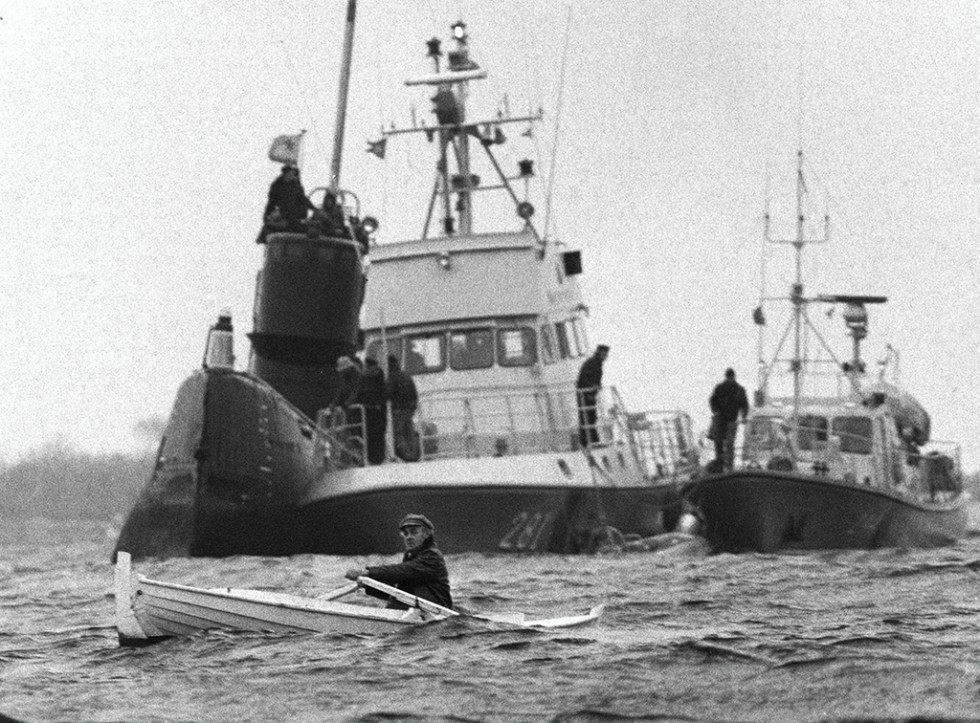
{"points": [[459, 31]]}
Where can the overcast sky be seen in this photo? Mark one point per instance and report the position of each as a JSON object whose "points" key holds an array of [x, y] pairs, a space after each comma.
{"points": [[133, 173]]}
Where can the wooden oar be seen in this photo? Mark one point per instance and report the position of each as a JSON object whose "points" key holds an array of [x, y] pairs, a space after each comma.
{"points": [[413, 601], [428, 606], [339, 592]]}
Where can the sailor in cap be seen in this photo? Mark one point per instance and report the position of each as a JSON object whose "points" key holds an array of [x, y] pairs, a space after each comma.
{"points": [[422, 571]]}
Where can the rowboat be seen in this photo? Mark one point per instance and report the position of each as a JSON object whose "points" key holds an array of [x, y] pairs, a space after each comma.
{"points": [[150, 610]]}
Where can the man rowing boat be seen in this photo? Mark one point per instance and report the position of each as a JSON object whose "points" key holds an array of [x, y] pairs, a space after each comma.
{"points": [[422, 571]]}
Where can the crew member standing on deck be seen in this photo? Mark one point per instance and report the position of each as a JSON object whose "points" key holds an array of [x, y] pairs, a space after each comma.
{"points": [[371, 396], [288, 205], [587, 388], [404, 400], [422, 571], [728, 402]]}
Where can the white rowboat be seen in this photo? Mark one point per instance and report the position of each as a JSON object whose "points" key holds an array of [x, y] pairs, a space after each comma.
{"points": [[151, 610]]}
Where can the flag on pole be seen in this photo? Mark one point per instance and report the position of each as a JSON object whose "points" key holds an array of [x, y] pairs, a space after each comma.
{"points": [[377, 147], [285, 149]]}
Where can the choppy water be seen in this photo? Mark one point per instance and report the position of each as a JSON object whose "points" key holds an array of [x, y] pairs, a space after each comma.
{"points": [[888, 634]]}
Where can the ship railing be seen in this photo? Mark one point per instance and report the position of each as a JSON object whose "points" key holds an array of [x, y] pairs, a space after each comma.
{"points": [[497, 423], [661, 440], [341, 435], [933, 471], [842, 455], [768, 443]]}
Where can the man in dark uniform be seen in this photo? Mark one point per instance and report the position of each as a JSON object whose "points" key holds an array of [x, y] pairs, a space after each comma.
{"points": [[587, 389], [331, 216], [728, 402], [404, 399], [371, 395], [422, 571], [288, 205]]}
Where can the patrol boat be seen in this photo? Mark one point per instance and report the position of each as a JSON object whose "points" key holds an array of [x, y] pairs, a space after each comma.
{"points": [[846, 460], [491, 327]]}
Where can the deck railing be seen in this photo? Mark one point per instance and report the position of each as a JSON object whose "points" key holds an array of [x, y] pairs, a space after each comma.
{"points": [[932, 470], [517, 421]]}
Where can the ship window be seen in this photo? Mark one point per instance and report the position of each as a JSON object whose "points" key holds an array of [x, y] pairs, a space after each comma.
{"points": [[547, 344], [766, 433], [855, 434], [564, 351], [516, 347], [425, 353], [471, 349], [813, 431], [375, 349]]}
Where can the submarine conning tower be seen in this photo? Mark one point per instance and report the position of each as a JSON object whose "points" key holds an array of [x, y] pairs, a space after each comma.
{"points": [[307, 302]]}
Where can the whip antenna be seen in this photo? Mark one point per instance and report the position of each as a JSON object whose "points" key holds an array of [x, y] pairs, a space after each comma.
{"points": [[554, 148]]}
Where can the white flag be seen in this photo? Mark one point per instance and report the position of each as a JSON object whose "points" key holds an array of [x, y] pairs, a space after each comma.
{"points": [[285, 149]]}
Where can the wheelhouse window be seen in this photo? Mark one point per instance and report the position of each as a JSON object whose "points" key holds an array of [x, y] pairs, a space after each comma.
{"points": [[855, 434], [375, 349], [425, 353], [516, 347], [813, 431], [547, 344], [561, 332], [471, 349]]}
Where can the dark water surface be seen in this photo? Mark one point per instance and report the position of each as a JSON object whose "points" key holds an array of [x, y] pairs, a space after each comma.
{"points": [[875, 635]]}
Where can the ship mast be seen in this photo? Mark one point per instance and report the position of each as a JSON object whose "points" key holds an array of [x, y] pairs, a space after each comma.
{"points": [[855, 315], [338, 134], [796, 298], [455, 183]]}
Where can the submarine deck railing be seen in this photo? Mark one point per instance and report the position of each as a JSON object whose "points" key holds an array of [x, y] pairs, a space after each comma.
{"points": [[932, 471], [517, 421]]}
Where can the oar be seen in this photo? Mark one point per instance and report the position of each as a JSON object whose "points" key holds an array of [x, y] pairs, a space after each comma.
{"points": [[507, 618], [412, 601], [339, 592]]}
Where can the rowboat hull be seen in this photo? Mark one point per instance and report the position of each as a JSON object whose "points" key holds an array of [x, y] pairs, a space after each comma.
{"points": [[148, 611], [768, 511]]}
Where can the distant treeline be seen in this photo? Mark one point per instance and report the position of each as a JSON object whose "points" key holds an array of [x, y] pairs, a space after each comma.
{"points": [[59, 482]]}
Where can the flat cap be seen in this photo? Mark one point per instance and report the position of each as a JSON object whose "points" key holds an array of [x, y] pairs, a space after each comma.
{"points": [[420, 520]]}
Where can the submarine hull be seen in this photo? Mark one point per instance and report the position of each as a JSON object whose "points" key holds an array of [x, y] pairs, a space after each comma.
{"points": [[231, 467]]}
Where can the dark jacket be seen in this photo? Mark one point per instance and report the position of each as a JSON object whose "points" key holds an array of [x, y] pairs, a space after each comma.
{"points": [[401, 390], [422, 572], [349, 388], [729, 400], [372, 387], [590, 375], [289, 198]]}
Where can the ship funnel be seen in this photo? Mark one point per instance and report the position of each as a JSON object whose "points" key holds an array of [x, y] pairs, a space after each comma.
{"points": [[219, 350]]}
